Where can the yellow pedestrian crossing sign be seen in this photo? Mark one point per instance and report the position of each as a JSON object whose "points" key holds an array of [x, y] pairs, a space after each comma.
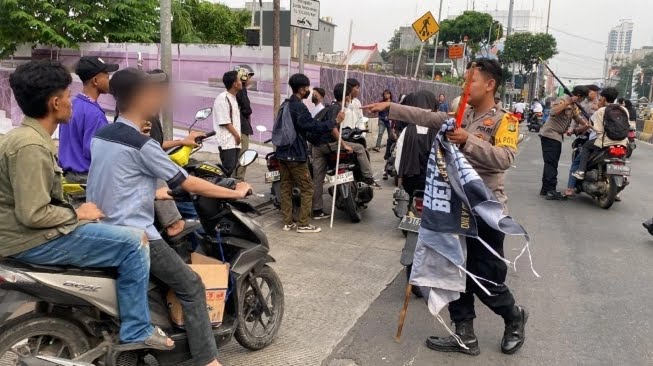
{"points": [[426, 26]]}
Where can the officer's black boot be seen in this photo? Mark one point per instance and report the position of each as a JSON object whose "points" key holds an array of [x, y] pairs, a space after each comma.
{"points": [[464, 330], [515, 333]]}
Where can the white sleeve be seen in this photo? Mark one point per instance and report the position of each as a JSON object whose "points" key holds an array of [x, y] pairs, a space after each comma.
{"points": [[400, 147], [221, 114]]}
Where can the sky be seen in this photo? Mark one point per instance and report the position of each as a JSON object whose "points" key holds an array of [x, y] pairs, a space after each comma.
{"points": [[585, 23]]}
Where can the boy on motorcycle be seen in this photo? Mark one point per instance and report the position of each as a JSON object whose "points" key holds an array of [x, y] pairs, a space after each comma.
{"points": [[123, 180], [38, 226]]}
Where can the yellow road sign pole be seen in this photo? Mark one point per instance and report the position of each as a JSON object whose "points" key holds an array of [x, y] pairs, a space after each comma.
{"points": [[419, 59]]}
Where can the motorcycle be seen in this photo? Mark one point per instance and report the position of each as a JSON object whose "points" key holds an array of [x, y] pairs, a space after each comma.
{"points": [[410, 224], [50, 313], [632, 145], [607, 174], [353, 194], [535, 121]]}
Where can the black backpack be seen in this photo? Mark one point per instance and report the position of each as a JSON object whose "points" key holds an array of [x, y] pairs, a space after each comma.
{"points": [[615, 122]]}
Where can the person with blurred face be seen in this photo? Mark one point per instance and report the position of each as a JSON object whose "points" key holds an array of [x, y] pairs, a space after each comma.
{"points": [[88, 117], [38, 226], [488, 140]]}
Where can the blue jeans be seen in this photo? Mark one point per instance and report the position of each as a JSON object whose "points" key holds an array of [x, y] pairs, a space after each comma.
{"points": [[101, 246], [383, 126], [571, 184], [187, 210]]}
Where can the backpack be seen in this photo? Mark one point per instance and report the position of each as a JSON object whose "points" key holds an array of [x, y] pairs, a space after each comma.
{"points": [[316, 138], [615, 122], [283, 131]]}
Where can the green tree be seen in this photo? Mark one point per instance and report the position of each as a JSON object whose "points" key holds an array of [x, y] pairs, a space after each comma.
{"points": [[217, 23], [479, 28], [65, 23], [527, 49], [395, 41]]}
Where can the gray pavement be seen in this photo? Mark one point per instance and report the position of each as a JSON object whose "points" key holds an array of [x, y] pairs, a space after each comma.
{"points": [[329, 279], [592, 305]]}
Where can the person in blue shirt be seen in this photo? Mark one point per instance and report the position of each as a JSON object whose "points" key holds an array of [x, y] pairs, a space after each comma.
{"points": [[444, 106], [123, 183], [88, 117]]}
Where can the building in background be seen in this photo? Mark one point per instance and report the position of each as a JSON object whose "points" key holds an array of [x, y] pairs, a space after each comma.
{"points": [[364, 56], [619, 48], [408, 39], [639, 53]]}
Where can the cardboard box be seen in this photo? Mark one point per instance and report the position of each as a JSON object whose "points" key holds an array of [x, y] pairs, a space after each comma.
{"points": [[215, 276]]}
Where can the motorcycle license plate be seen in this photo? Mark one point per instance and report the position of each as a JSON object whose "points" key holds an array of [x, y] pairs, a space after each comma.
{"points": [[410, 223], [345, 177], [618, 169], [273, 176]]}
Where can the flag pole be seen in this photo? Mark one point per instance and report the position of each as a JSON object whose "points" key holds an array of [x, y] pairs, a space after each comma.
{"points": [[344, 93]]}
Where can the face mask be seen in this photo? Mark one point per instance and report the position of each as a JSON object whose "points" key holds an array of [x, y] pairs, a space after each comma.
{"points": [[307, 94], [314, 100]]}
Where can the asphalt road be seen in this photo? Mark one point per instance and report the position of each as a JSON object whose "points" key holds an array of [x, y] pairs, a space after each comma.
{"points": [[592, 305]]}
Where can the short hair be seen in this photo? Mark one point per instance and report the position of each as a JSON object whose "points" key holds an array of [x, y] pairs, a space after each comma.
{"points": [[610, 94], [35, 82], [352, 83], [320, 91], [580, 91], [229, 79], [298, 81], [628, 103], [490, 68], [338, 91], [593, 88]]}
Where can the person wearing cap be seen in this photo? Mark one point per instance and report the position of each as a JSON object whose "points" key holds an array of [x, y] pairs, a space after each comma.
{"points": [[88, 117], [123, 182], [245, 108], [226, 121], [564, 111], [38, 226]]}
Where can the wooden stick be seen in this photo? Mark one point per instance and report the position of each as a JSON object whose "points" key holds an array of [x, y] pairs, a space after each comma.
{"points": [[344, 93], [404, 310], [463, 100]]}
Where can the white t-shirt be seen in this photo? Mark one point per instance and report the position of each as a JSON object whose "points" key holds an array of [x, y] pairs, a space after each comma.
{"points": [[225, 112], [537, 107], [519, 107], [353, 114], [318, 108]]}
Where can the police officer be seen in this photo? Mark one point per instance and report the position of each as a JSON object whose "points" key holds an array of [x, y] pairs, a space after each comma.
{"points": [[564, 110], [489, 142]]}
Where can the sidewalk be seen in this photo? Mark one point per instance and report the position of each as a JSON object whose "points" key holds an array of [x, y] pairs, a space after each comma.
{"points": [[329, 278]]}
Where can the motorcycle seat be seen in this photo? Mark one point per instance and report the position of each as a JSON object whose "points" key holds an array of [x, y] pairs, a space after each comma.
{"points": [[91, 272]]}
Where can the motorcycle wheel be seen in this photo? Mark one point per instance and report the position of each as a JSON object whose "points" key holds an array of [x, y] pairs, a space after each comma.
{"points": [[607, 201], [34, 334], [414, 289], [354, 211], [252, 317]]}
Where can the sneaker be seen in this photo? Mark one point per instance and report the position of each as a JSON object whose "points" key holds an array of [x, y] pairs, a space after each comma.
{"points": [[555, 196], [320, 215], [371, 182], [290, 227], [385, 176], [578, 175], [308, 229]]}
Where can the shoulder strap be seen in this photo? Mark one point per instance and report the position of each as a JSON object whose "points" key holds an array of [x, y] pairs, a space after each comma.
{"points": [[231, 109]]}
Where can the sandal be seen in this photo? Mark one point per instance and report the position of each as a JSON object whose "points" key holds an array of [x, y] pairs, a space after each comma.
{"points": [[158, 340]]}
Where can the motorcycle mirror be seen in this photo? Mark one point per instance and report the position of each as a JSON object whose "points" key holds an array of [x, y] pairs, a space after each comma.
{"points": [[203, 114], [521, 138], [247, 158]]}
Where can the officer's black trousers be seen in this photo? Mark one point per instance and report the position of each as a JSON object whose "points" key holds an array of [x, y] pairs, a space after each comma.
{"points": [[482, 263], [551, 150]]}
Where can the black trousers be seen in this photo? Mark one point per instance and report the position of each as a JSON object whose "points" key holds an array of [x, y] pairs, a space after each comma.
{"points": [[482, 263], [551, 150], [229, 159]]}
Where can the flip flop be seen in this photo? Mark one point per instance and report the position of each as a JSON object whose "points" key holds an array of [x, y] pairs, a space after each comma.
{"points": [[157, 341]]}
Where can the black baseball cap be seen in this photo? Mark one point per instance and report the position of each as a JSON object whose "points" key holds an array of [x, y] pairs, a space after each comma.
{"points": [[125, 82], [90, 66]]}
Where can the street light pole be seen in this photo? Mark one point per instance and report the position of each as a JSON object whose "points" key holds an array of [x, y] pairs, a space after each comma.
{"points": [[276, 56], [437, 41], [166, 60], [512, 5]]}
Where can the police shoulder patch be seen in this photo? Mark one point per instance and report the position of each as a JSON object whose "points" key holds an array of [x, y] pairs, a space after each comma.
{"points": [[507, 133]]}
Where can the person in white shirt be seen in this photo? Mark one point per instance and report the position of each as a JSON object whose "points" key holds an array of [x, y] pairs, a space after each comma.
{"points": [[520, 108], [226, 121], [318, 101], [537, 107], [354, 113]]}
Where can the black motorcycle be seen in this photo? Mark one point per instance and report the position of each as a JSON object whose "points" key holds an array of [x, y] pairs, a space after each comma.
{"points": [[535, 121], [632, 145], [52, 312], [607, 174], [410, 224], [353, 194]]}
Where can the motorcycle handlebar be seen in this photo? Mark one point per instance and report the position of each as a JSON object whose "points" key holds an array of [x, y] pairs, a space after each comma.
{"points": [[267, 141], [206, 136]]}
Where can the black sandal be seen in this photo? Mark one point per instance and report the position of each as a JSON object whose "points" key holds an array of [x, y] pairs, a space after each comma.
{"points": [[158, 340]]}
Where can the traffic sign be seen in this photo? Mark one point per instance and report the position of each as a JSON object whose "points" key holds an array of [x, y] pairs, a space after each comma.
{"points": [[305, 14], [456, 51], [426, 26]]}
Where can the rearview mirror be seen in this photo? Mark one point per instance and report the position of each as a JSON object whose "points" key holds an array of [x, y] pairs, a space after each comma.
{"points": [[203, 114], [521, 138], [248, 157]]}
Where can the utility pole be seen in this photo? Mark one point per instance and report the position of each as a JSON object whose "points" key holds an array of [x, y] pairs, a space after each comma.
{"points": [[260, 25], [300, 33], [437, 42], [540, 67], [512, 5], [276, 57], [166, 60], [419, 59]]}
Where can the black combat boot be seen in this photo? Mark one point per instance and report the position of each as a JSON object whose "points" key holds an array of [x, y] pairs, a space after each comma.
{"points": [[464, 330], [515, 333]]}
